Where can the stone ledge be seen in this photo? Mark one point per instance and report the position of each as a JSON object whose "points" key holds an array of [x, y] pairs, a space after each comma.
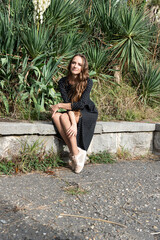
{"points": [[46, 128], [127, 127], [136, 138], [23, 128], [41, 128]]}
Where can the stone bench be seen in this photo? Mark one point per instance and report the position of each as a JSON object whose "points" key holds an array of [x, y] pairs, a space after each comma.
{"points": [[134, 137]]}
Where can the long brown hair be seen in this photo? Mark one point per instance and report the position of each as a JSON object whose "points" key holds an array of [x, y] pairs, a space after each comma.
{"points": [[81, 83]]}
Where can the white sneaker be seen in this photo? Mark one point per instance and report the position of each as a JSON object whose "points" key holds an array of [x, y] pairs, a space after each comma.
{"points": [[79, 160]]}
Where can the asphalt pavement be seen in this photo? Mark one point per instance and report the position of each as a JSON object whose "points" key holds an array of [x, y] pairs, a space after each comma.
{"points": [[119, 201]]}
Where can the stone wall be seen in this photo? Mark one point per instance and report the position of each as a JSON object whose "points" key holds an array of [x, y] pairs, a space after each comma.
{"points": [[136, 138]]}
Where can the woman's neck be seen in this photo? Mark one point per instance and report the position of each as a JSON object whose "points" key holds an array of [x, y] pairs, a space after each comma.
{"points": [[73, 79]]}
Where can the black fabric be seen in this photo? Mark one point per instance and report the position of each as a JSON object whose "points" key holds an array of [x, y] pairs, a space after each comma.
{"points": [[89, 113]]}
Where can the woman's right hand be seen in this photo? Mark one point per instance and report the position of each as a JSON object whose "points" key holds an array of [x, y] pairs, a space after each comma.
{"points": [[54, 109]]}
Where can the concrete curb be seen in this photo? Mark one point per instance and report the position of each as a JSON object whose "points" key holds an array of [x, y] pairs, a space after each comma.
{"points": [[135, 137]]}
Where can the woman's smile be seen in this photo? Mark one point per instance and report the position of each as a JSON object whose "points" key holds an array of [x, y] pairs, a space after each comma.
{"points": [[76, 65]]}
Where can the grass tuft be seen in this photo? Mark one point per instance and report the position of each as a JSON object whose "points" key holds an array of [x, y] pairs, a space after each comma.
{"points": [[32, 157], [102, 157], [75, 190]]}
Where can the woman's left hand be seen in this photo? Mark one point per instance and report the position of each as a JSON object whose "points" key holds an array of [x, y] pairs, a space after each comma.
{"points": [[72, 131]]}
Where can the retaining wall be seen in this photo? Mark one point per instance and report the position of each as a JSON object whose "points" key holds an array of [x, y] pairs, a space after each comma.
{"points": [[136, 138]]}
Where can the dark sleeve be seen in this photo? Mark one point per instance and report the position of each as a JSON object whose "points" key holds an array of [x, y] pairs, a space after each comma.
{"points": [[62, 89], [84, 98]]}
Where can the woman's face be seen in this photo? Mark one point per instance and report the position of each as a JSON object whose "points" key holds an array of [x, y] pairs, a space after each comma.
{"points": [[76, 65]]}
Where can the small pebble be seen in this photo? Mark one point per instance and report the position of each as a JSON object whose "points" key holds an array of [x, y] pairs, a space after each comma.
{"points": [[3, 221]]}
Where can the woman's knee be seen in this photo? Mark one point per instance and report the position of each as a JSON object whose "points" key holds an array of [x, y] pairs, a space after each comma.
{"points": [[56, 117], [64, 118]]}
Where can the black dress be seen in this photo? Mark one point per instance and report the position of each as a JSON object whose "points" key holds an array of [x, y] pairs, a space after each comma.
{"points": [[89, 113]]}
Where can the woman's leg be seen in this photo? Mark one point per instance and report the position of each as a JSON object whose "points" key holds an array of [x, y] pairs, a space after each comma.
{"points": [[66, 124], [56, 120], [63, 123]]}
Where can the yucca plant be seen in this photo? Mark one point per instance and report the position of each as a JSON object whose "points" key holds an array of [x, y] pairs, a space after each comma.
{"points": [[87, 18], [13, 16], [36, 40], [9, 40], [98, 56], [127, 30], [63, 15], [148, 83], [68, 44]]}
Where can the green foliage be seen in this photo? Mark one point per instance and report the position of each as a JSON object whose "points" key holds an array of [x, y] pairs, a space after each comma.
{"points": [[8, 36], [152, 3], [127, 29], [34, 57], [35, 40], [63, 15], [4, 100], [68, 44], [99, 59], [42, 90], [6, 167], [148, 82], [28, 82], [121, 102], [75, 190], [31, 157], [102, 157], [123, 153]]}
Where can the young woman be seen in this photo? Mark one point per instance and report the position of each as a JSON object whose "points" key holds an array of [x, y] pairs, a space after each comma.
{"points": [[76, 125]]}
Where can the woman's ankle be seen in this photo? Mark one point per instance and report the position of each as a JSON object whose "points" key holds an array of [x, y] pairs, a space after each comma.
{"points": [[75, 152]]}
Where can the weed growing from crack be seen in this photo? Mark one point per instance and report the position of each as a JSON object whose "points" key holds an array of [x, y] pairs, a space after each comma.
{"points": [[31, 157], [123, 153], [102, 157], [75, 190]]}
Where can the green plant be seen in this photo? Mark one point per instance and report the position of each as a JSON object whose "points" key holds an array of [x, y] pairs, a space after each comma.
{"points": [[112, 34], [67, 45], [131, 115], [35, 40], [4, 100], [13, 15], [128, 31], [34, 157], [42, 90], [31, 157], [62, 16], [102, 157], [148, 82], [123, 153], [75, 190], [6, 167], [98, 57]]}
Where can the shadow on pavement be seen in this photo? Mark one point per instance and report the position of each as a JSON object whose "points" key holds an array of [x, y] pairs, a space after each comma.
{"points": [[20, 226]]}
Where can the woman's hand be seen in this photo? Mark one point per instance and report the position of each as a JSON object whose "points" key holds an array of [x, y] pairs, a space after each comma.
{"points": [[72, 131], [54, 109]]}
